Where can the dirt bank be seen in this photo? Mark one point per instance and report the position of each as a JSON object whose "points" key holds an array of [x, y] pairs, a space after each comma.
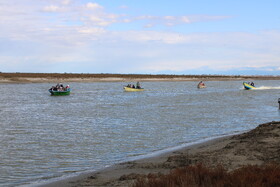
{"points": [[256, 147]]}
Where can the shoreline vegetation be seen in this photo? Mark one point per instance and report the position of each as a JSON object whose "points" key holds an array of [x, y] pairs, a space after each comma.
{"points": [[107, 77], [248, 159]]}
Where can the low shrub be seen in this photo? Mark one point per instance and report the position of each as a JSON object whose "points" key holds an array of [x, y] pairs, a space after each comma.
{"points": [[202, 176]]}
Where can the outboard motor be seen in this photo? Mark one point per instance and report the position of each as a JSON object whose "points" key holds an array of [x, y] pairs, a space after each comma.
{"points": [[279, 102]]}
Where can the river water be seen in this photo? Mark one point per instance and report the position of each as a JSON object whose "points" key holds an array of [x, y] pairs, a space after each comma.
{"points": [[46, 137]]}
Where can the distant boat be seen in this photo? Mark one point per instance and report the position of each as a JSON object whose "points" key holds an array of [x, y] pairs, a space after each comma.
{"points": [[60, 90], [201, 85], [248, 86], [56, 93], [128, 89]]}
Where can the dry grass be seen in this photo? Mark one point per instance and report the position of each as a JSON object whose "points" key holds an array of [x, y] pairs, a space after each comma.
{"points": [[199, 175]]}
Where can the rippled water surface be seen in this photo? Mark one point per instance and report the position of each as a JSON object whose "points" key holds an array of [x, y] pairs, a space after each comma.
{"points": [[43, 137]]}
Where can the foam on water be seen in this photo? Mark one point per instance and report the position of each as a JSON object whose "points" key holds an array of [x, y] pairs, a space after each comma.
{"points": [[268, 88]]}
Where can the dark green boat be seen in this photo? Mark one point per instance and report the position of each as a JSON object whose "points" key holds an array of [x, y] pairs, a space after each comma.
{"points": [[66, 92], [59, 89]]}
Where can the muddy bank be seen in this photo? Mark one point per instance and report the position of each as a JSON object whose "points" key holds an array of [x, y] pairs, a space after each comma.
{"points": [[256, 147]]}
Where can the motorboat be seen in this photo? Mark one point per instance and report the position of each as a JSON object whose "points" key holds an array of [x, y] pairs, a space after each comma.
{"points": [[129, 89], [60, 90], [248, 86], [201, 85]]}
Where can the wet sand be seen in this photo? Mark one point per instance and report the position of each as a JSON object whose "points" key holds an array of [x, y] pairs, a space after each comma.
{"points": [[256, 147], [72, 77]]}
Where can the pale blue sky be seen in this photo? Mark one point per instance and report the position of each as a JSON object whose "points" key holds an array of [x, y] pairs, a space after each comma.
{"points": [[126, 36]]}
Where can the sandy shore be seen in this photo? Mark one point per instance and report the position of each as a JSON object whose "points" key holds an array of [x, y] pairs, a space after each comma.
{"points": [[256, 147], [69, 77]]}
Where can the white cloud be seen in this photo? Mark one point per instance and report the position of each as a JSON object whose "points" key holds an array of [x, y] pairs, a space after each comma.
{"points": [[113, 16], [185, 19], [93, 6], [95, 31], [151, 36], [100, 21], [169, 18], [149, 25], [51, 8], [95, 18], [177, 20], [146, 17], [126, 20], [66, 2]]}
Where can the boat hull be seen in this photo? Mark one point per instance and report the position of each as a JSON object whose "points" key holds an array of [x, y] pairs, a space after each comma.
{"points": [[201, 86], [127, 89], [248, 86], [59, 93]]}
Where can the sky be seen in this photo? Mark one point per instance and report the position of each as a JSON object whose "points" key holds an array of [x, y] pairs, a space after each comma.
{"points": [[234, 37]]}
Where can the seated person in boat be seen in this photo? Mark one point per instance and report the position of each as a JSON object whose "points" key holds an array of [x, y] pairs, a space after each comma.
{"points": [[252, 84], [53, 88], [59, 87]]}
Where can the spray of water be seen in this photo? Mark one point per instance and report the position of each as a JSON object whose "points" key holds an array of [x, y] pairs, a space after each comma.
{"points": [[267, 88]]}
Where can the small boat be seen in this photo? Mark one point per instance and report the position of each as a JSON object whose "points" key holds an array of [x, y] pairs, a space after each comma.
{"points": [[248, 86], [201, 85], [57, 92], [128, 89], [59, 89]]}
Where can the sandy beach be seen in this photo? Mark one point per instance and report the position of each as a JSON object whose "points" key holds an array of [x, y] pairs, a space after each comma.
{"points": [[257, 147], [74, 77]]}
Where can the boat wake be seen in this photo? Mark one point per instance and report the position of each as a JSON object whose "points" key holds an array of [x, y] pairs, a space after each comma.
{"points": [[267, 88]]}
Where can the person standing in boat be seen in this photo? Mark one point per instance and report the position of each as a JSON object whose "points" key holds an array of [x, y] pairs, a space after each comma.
{"points": [[138, 85]]}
